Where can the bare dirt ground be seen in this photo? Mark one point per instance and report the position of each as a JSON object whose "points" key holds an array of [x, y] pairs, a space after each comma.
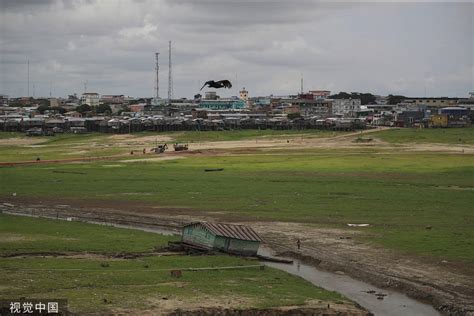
{"points": [[448, 286], [17, 141], [226, 306]]}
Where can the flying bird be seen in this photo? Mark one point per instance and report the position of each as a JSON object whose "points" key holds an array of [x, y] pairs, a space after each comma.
{"points": [[218, 84]]}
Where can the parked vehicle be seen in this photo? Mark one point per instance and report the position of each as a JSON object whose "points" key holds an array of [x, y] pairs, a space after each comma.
{"points": [[160, 148]]}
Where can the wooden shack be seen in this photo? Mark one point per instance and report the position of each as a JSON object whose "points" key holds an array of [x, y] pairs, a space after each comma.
{"points": [[235, 239]]}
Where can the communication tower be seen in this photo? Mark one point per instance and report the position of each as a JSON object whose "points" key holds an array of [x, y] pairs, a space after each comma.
{"points": [[157, 69], [170, 77]]}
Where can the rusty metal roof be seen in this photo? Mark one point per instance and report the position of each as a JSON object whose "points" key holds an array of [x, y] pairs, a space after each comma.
{"points": [[241, 232]]}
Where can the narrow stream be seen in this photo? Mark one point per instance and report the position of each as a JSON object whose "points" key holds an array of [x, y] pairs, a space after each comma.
{"points": [[393, 304]]}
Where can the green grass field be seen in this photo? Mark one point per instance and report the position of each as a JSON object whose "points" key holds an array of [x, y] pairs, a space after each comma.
{"points": [[132, 284], [28, 235], [403, 192], [458, 136], [196, 136]]}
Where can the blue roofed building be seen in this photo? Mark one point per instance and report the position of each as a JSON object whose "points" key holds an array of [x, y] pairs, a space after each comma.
{"points": [[222, 104]]}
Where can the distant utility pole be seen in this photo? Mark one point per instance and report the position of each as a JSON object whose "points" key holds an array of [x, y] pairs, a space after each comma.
{"points": [[302, 83], [50, 87], [85, 86], [170, 78], [28, 79], [157, 69]]}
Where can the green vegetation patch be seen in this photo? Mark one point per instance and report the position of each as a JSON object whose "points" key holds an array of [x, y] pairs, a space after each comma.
{"points": [[401, 191], [233, 135], [38, 235], [142, 283], [459, 136]]}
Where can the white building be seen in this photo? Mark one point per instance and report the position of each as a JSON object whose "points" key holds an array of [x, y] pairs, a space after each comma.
{"points": [[346, 107], [244, 95], [90, 98]]}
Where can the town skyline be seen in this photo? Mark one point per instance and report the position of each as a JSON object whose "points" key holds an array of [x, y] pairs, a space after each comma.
{"points": [[422, 49]]}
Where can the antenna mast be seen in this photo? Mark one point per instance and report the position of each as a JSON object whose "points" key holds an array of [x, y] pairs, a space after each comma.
{"points": [[157, 87], [28, 79], [301, 83], [170, 78]]}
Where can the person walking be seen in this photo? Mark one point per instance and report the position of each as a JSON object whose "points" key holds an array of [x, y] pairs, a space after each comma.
{"points": [[298, 243]]}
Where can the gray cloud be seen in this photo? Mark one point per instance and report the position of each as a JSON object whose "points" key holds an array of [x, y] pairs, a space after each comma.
{"points": [[262, 45]]}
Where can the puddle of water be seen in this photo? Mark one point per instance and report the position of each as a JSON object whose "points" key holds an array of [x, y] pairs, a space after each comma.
{"points": [[394, 304]]}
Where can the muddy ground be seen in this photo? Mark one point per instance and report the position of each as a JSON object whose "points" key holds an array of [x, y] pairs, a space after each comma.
{"points": [[448, 286]]}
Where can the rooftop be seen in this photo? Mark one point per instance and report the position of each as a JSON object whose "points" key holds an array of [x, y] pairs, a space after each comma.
{"points": [[241, 232]]}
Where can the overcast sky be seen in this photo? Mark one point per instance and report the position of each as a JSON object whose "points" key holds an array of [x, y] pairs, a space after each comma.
{"points": [[415, 49]]}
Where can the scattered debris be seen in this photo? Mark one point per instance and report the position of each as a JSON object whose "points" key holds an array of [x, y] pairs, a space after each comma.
{"points": [[176, 273], [14, 194], [429, 227], [213, 169], [358, 225], [72, 172], [274, 259], [8, 205], [379, 296], [363, 140]]}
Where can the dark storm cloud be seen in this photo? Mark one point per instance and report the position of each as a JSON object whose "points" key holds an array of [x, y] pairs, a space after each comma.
{"points": [[262, 45], [7, 5], [31, 6]]}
